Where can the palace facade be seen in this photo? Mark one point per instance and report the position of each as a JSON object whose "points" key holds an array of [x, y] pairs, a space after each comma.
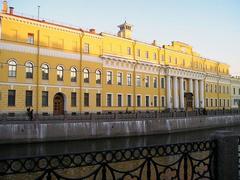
{"points": [[57, 69]]}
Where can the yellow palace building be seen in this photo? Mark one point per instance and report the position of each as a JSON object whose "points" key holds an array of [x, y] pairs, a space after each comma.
{"points": [[57, 69]]}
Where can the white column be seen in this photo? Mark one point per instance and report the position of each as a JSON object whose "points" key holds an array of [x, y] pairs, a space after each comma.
{"points": [[181, 94], [202, 94], [190, 85], [196, 93], [169, 104], [175, 92]]}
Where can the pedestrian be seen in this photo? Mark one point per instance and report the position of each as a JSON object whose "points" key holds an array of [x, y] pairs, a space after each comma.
{"points": [[28, 113], [31, 115]]}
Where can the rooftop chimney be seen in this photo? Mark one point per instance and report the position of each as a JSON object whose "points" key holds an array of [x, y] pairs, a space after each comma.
{"points": [[5, 6], [154, 43], [93, 31], [11, 10]]}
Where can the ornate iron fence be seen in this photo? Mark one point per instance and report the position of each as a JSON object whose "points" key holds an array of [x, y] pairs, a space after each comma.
{"points": [[176, 161]]}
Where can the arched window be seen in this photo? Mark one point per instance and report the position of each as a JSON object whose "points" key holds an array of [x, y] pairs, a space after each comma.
{"points": [[73, 74], [29, 70], [86, 75], [60, 73], [45, 72], [98, 77], [12, 68]]}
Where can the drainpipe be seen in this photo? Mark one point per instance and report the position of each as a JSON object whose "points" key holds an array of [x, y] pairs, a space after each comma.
{"points": [[134, 77], [159, 82], [38, 66], [81, 36]]}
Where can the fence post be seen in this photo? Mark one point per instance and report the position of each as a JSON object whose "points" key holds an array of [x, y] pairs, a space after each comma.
{"points": [[226, 155]]}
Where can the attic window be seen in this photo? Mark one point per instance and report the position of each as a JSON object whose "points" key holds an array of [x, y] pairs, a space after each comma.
{"points": [[30, 38]]}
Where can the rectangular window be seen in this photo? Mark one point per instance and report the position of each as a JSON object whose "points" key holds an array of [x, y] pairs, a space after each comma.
{"points": [[129, 79], [109, 77], [129, 51], [138, 52], [30, 38], [129, 100], [86, 99], [119, 78], [184, 85], [215, 88], [220, 102], [206, 102], [44, 98], [119, 100], [163, 101], [155, 84], [234, 91], [98, 100], [154, 56], [109, 100], [11, 97], [147, 81], [238, 91], [155, 101], [138, 81], [86, 48], [28, 98], [138, 101], [162, 83], [73, 99], [163, 58], [147, 54], [216, 103], [211, 102], [147, 101]]}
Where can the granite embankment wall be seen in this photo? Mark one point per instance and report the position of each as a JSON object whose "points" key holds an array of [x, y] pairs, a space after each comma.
{"points": [[35, 131]]}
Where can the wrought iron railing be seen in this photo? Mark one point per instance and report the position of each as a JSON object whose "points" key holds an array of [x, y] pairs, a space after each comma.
{"points": [[176, 161]]}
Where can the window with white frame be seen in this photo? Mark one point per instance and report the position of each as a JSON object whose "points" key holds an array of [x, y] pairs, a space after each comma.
{"points": [[129, 79], [109, 77], [155, 82], [109, 100], [138, 80], [147, 81], [119, 78]]}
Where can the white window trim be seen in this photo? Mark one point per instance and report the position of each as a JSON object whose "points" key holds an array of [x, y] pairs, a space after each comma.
{"points": [[131, 100], [112, 77], [122, 78], [140, 100], [122, 105], [111, 100]]}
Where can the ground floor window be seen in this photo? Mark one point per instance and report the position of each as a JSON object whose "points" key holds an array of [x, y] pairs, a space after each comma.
{"points": [[138, 100], [163, 101], [98, 100], [109, 100], [129, 100], [73, 99], [86, 99], [119, 100], [147, 101], [11, 97], [155, 101], [28, 100], [45, 98]]}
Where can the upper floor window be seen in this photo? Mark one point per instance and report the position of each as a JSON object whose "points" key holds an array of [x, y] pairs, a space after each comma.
{"points": [[129, 51], [86, 75], [138, 80], [109, 77], [155, 82], [129, 79], [12, 68], [73, 74], [138, 52], [147, 54], [154, 56], [98, 77], [30, 38], [119, 78], [86, 48], [147, 81], [162, 83], [29, 70], [60, 73], [45, 72]]}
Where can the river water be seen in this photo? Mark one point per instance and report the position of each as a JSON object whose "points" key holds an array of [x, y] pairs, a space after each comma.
{"points": [[8, 151]]}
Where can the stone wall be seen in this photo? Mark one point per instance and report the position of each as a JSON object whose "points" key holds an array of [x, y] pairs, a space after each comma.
{"points": [[34, 131]]}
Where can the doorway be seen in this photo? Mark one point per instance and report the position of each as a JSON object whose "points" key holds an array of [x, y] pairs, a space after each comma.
{"points": [[58, 104]]}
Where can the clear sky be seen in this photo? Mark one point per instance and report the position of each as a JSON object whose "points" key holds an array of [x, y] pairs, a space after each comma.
{"points": [[212, 27]]}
